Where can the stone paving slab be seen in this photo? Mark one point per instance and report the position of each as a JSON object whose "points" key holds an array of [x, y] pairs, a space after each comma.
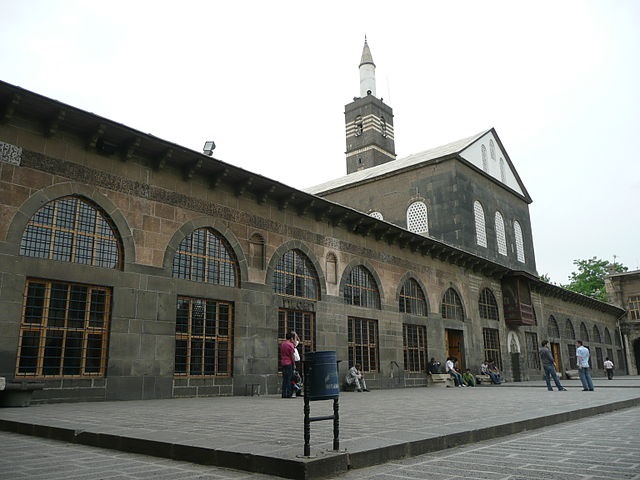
{"points": [[265, 433]]}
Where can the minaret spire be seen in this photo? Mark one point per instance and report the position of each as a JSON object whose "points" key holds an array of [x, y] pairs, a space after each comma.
{"points": [[367, 72]]}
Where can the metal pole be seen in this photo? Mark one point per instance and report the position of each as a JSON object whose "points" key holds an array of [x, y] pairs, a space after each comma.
{"points": [[307, 410], [336, 425]]}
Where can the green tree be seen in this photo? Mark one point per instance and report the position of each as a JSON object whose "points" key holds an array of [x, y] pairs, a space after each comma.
{"points": [[589, 279], [545, 278]]}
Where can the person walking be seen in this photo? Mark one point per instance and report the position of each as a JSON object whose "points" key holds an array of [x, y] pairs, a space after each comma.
{"points": [[549, 368], [582, 358], [608, 367]]}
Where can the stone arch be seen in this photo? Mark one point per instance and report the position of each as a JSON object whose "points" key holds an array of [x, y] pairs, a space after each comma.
{"points": [[412, 276]]}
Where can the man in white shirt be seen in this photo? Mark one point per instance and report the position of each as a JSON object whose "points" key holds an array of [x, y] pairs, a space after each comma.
{"points": [[608, 367], [582, 358]]}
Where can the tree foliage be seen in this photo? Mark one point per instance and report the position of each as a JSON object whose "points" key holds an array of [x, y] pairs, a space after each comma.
{"points": [[589, 279]]}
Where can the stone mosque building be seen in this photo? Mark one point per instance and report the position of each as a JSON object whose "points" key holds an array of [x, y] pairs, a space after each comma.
{"points": [[135, 268]]}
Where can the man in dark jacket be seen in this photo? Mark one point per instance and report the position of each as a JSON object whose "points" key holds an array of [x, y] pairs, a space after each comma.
{"points": [[549, 368]]}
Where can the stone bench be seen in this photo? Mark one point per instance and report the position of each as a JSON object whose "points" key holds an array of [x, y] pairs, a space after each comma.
{"points": [[440, 380], [483, 380], [17, 393]]}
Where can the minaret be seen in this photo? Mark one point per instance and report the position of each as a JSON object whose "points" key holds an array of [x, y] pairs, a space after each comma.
{"points": [[367, 72], [369, 122]]}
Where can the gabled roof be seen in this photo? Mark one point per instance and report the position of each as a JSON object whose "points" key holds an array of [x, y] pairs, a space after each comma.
{"points": [[459, 148]]}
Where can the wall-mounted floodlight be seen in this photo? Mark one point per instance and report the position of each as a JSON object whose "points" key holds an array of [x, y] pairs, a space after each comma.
{"points": [[209, 147]]}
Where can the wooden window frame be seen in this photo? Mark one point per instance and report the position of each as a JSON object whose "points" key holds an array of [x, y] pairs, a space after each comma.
{"points": [[491, 344], [533, 356], [62, 314], [451, 306], [412, 299], [362, 342], [205, 335], [71, 229], [361, 288], [295, 276], [414, 342], [488, 305]]}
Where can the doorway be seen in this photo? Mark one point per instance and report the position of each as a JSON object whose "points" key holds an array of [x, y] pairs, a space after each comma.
{"points": [[557, 362], [454, 340]]}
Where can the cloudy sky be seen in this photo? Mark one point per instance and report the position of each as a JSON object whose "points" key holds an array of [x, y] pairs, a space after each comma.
{"points": [[268, 81]]}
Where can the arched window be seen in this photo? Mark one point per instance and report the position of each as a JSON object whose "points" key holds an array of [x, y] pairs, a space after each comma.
{"points": [[417, 218], [71, 229], [377, 215], [503, 171], [569, 332], [596, 334], [552, 328], [383, 126], [501, 238], [487, 305], [205, 256], [361, 289], [294, 275], [584, 333], [485, 162], [519, 242], [452, 305], [607, 336], [412, 299], [492, 150], [481, 230]]}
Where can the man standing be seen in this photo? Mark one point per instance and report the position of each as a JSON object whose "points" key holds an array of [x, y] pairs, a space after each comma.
{"points": [[549, 368], [287, 361], [582, 358]]}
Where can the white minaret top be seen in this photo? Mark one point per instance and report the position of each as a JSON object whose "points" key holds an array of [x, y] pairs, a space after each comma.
{"points": [[367, 72]]}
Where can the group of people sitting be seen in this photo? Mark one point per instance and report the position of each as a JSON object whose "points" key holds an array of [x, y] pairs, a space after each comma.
{"points": [[466, 378]]}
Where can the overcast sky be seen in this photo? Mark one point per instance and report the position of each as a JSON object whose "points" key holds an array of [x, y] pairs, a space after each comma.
{"points": [[268, 81]]}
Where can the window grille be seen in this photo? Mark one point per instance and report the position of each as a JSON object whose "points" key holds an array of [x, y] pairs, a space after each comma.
{"points": [[72, 230], [552, 328], [452, 305], [533, 357], [573, 363], [607, 337], [501, 238], [599, 358], [415, 348], [584, 333], [417, 221], [377, 215], [203, 337], [205, 256], [362, 341], [596, 334], [301, 322], [519, 242], [412, 298], [481, 231], [569, 331], [488, 305], [360, 288], [295, 276], [64, 330], [491, 341], [492, 150]]}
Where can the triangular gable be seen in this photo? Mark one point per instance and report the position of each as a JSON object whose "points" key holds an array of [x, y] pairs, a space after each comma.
{"points": [[488, 154]]}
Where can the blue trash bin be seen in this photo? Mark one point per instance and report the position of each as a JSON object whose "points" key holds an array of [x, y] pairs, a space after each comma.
{"points": [[321, 375]]}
